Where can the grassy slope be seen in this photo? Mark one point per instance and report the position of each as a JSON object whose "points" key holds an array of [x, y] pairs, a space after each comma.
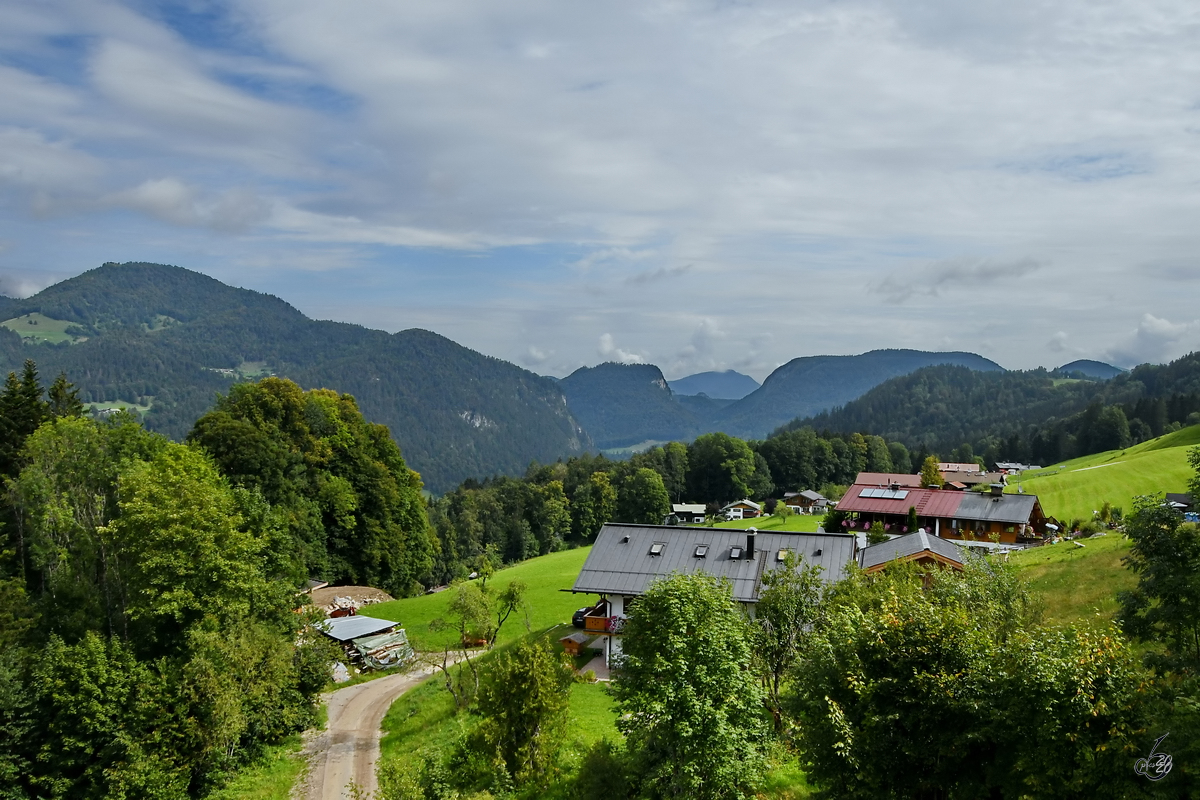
{"points": [[40, 328], [804, 523], [548, 605], [271, 778], [1078, 584], [1074, 489]]}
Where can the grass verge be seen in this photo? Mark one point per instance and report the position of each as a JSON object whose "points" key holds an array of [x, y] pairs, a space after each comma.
{"points": [[270, 778]]}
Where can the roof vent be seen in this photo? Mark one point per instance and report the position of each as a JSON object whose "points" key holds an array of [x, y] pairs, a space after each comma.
{"points": [[625, 539], [817, 552]]}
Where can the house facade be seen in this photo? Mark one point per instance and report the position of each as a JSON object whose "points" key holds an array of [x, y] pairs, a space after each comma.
{"points": [[688, 513], [742, 509], [806, 502], [1007, 518], [627, 559]]}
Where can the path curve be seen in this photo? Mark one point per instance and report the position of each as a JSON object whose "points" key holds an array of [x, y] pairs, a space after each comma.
{"points": [[348, 748]]}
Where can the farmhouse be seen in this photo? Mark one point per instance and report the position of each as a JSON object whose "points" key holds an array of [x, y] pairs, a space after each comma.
{"points": [[626, 559], [806, 502], [742, 509], [688, 513], [1010, 518]]}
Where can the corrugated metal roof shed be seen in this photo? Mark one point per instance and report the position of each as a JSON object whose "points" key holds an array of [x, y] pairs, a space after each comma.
{"points": [[346, 628], [910, 545], [621, 560]]}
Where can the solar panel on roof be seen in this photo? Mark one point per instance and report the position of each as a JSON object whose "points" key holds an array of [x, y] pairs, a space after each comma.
{"points": [[884, 494]]}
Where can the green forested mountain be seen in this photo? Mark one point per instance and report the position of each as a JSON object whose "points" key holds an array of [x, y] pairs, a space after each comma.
{"points": [[727, 385], [626, 404], [172, 339], [1021, 415], [1088, 368], [812, 384]]}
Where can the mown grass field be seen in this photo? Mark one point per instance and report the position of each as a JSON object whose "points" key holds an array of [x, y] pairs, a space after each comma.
{"points": [[547, 604], [41, 328], [1074, 489], [1078, 585], [801, 523]]}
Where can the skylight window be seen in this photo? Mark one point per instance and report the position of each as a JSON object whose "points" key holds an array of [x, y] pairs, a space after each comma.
{"points": [[657, 548], [701, 550], [782, 554], [735, 552]]}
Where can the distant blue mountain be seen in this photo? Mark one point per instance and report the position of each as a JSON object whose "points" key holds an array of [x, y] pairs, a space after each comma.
{"points": [[1092, 369], [727, 385]]}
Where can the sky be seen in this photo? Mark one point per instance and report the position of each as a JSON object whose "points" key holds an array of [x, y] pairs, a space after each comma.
{"points": [[697, 185]]}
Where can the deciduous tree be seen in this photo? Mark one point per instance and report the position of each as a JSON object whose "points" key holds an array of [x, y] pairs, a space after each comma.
{"points": [[692, 707]]}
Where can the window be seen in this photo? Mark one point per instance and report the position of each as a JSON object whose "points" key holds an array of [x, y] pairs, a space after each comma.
{"points": [[782, 554], [735, 552], [657, 548], [701, 550]]}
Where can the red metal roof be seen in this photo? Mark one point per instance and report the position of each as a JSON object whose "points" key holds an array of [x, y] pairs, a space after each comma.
{"points": [[886, 479], [928, 502]]}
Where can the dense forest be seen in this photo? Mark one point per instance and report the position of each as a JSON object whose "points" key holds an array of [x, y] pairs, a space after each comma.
{"points": [[173, 339], [1026, 416], [149, 643]]}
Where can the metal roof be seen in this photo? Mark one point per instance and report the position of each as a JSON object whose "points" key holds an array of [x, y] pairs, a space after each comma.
{"points": [[750, 503], [928, 502], [910, 545], [887, 479], [346, 628], [688, 508], [1010, 508], [620, 561]]}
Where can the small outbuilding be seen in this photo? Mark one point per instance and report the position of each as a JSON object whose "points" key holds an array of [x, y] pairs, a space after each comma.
{"points": [[923, 548]]}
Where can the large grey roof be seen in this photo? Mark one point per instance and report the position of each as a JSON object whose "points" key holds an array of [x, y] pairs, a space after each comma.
{"points": [[910, 545], [1014, 508], [618, 567], [346, 628]]}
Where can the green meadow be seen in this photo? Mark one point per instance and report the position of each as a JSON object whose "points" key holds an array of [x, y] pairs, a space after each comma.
{"points": [[800, 523], [1078, 585], [40, 328], [549, 601], [1074, 489]]}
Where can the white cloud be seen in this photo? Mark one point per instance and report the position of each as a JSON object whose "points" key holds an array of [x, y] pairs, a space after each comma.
{"points": [[933, 278], [608, 351], [1156, 340]]}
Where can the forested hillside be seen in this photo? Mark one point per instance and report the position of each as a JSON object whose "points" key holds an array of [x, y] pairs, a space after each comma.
{"points": [[808, 385], [158, 336], [1027, 416], [625, 404]]}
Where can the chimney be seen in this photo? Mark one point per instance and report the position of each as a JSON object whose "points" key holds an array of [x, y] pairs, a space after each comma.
{"points": [[997, 490], [751, 535]]}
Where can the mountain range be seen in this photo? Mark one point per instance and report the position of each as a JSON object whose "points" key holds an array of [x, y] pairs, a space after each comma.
{"points": [[171, 339], [168, 340]]}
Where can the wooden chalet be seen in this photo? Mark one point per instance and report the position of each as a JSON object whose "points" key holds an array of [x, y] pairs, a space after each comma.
{"points": [[1010, 518], [920, 547], [742, 509], [806, 502]]}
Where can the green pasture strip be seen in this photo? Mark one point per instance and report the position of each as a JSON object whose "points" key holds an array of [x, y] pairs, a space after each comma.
{"points": [[802, 523], [1187, 437], [269, 778], [41, 328], [1076, 491], [1079, 585], [545, 576]]}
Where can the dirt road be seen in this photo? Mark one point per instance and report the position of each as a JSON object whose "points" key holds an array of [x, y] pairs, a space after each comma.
{"points": [[349, 746]]}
